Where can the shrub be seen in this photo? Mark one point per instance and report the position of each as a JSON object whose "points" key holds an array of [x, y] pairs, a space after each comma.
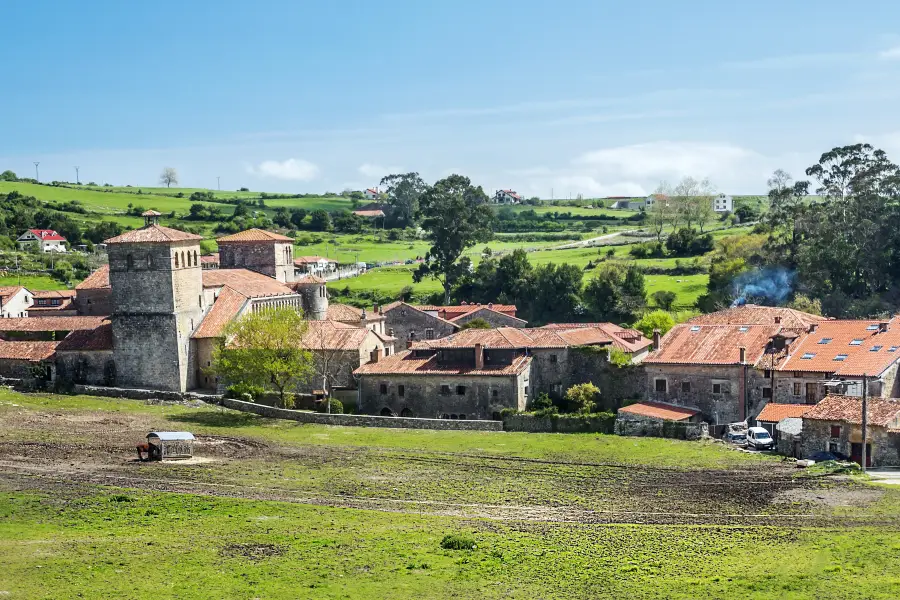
{"points": [[241, 390], [542, 402], [337, 407], [658, 319], [455, 541], [664, 299], [619, 358], [582, 397]]}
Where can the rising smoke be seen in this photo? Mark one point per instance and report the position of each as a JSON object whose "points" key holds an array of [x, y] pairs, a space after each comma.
{"points": [[770, 286]]}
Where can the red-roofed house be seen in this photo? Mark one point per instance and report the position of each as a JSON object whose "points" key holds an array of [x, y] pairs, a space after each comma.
{"points": [[835, 425], [15, 301], [53, 302], [371, 193], [46, 240], [506, 197], [658, 419]]}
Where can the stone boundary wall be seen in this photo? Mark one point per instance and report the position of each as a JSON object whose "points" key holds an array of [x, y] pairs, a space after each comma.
{"points": [[138, 394], [362, 420], [558, 424], [659, 428]]}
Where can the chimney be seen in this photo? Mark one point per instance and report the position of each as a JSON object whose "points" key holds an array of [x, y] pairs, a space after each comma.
{"points": [[376, 354], [883, 327], [743, 355], [778, 320], [408, 344], [391, 331], [479, 357], [656, 339], [812, 327], [375, 309]]}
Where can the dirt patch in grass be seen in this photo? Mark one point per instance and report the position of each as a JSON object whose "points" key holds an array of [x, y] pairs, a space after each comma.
{"points": [[252, 551]]}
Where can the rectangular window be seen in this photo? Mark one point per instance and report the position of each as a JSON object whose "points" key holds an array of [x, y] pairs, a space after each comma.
{"points": [[797, 388], [429, 334], [685, 386], [553, 358], [872, 328], [840, 357], [445, 390], [717, 388], [401, 391], [661, 385], [798, 374], [808, 356], [875, 348], [767, 374], [834, 448], [856, 342], [825, 341], [695, 328], [383, 388], [767, 392], [494, 393], [460, 390], [835, 431]]}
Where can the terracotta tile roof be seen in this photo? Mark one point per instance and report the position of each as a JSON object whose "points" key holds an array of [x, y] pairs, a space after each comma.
{"points": [[404, 363], [369, 213], [484, 309], [53, 293], [9, 291], [97, 280], [511, 337], [454, 312], [210, 259], [333, 335], [773, 412], [31, 351], [394, 305], [753, 314], [882, 412], [629, 340], [303, 260], [307, 280], [83, 340], [344, 312], [253, 235], [243, 281], [151, 213], [227, 306], [153, 234], [659, 410], [859, 347], [712, 344], [64, 297], [50, 323]]}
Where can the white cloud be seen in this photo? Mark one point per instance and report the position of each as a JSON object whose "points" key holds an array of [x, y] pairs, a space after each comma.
{"points": [[589, 186], [292, 169], [795, 61], [890, 53], [889, 142], [370, 170], [665, 159]]}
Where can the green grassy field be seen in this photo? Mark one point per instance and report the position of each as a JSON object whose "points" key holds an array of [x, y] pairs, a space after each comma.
{"points": [[33, 282], [273, 509]]}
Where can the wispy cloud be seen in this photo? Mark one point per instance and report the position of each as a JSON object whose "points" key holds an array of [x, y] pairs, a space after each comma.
{"points": [[370, 170], [292, 169], [665, 159], [795, 61], [890, 53]]}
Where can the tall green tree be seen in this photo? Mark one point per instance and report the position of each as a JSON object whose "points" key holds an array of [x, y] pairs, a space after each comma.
{"points": [[554, 293], [456, 216], [403, 193], [616, 293]]}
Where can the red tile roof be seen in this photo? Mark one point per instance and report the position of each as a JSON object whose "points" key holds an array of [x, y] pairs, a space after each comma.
{"points": [[302, 260], [344, 312], [248, 283], [369, 213], [151, 213], [253, 235], [97, 280], [226, 307], [153, 234], [86, 340], [210, 259], [53, 293], [712, 344], [872, 355], [306, 280], [63, 296], [9, 291], [30, 351], [540, 337], [773, 412], [454, 312], [50, 323], [882, 412], [629, 340], [404, 363], [659, 410], [753, 314], [48, 235], [333, 335]]}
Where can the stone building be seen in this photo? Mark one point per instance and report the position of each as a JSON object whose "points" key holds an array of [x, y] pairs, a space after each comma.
{"points": [[53, 302], [835, 425], [262, 251], [93, 295], [27, 360], [409, 323], [85, 356], [753, 314], [338, 349]]}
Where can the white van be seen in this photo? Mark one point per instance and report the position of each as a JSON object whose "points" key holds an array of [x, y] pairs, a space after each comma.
{"points": [[759, 439]]}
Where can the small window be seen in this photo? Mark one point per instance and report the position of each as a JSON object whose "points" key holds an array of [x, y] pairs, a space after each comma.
{"points": [[856, 342], [494, 393], [825, 341], [767, 374], [383, 388], [661, 385], [767, 392], [695, 328], [401, 391], [176, 260], [835, 431], [460, 390], [743, 329], [840, 357], [462, 416], [717, 388], [875, 348], [834, 448], [553, 358], [445, 390], [872, 328], [798, 374], [892, 349], [797, 388], [129, 260], [808, 356], [685, 386], [200, 300], [429, 334]]}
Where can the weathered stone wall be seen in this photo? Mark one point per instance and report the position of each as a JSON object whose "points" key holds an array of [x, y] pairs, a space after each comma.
{"points": [[483, 397], [143, 394], [204, 348], [274, 259], [559, 423], [885, 445], [363, 420], [637, 425], [147, 352], [494, 318], [405, 321], [15, 369], [94, 367]]}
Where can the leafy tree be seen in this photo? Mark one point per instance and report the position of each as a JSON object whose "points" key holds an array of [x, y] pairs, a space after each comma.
{"points": [[346, 222], [662, 212], [404, 192], [206, 196], [746, 213], [297, 217], [63, 271], [658, 319], [282, 217], [456, 216], [169, 176], [263, 348], [686, 242], [320, 220], [582, 397], [8, 176], [240, 210], [478, 323], [665, 299], [806, 304], [616, 293], [555, 293]]}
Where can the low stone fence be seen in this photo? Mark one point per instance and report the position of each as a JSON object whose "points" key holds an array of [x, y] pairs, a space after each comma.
{"points": [[659, 428], [361, 420], [598, 423], [137, 394]]}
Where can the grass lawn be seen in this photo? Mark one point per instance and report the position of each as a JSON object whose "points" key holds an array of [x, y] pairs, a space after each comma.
{"points": [[387, 281], [687, 288], [33, 282], [330, 512]]}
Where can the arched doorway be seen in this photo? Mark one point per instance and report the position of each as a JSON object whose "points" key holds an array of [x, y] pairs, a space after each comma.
{"points": [[406, 413], [386, 412]]}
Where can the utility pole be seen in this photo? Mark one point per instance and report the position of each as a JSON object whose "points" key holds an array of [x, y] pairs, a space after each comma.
{"points": [[37, 176], [218, 186], [865, 422], [77, 180]]}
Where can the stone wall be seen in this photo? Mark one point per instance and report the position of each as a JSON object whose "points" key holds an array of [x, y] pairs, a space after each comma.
{"points": [[143, 394], [405, 321], [95, 367], [482, 397], [363, 420], [637, 425], [493, 317], [93, 302], [885, 445], [274, 259], [559, 423]]}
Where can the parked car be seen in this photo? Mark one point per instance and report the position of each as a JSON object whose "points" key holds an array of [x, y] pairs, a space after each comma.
{"points": [[736, 433], [759, 439]]}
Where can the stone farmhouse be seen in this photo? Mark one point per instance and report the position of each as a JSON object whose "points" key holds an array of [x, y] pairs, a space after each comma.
{"points": [[412, 323], [835, 425], [476, 373]]}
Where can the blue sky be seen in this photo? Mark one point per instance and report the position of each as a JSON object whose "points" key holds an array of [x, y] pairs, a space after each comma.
{"points": [[588, 97]]}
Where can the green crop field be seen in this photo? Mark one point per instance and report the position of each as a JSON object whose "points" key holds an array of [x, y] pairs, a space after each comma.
{"points": [[274, 509], [33, 282]]}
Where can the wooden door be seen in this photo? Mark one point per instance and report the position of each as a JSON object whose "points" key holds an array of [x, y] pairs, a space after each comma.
{"points": [[812, 393], [856, 454]]}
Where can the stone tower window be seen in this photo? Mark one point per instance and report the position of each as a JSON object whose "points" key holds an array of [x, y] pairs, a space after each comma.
{"points": [[182, 258], [176, 260], [149, 261], [195, 258], [130, 261]]}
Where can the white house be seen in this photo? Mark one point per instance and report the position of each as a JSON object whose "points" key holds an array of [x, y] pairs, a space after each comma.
{"points": [[723, 203], [507, 197], [46, 239], [14, 302], [315, 265], [371, 193]]}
